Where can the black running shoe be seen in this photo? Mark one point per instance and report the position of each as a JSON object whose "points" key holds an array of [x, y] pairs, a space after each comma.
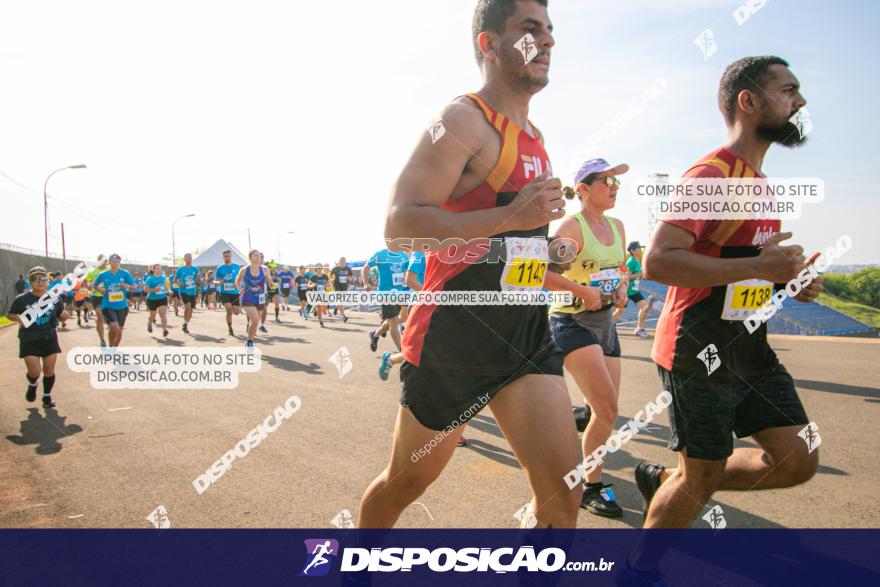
{"points": [[601, 501], [149, 327], [47, 401], [648, 481], [582, 416], [374, 341], [230, 330], [185, 328], [31, 394]]}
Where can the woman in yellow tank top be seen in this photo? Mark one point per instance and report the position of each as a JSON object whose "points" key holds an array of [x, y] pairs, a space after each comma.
{"points": [[585, 330]]}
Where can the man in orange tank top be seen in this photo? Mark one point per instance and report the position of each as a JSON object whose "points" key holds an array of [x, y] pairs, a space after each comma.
{"points": [[480, 172]]}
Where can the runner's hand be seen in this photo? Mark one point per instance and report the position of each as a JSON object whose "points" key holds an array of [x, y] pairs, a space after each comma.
{"points": [[812, 291], [780, 263], [539, 202], [619, 297], [590, 298]]}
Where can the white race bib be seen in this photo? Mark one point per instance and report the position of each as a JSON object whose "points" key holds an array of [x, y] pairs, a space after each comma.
{"points": [[343, 279], [227, 286], [397, 279], [606, 280], [744, 298], [262, 299], [526, 265]]}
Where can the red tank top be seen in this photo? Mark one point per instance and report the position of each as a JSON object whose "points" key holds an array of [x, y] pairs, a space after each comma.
{"points": [[521, 160]]}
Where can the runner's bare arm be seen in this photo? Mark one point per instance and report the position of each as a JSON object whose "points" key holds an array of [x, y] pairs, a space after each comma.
{"points": [[669, 260], [240, 278], [412, 281], [591, 297], [438, 170], [619, 296], [269, 281], [365, 273]]}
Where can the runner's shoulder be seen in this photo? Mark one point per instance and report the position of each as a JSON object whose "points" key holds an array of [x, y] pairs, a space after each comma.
{"points": [[705, 169], [463, 119]]}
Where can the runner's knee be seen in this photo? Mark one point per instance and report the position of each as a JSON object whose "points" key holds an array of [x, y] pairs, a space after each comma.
{"points": [[801, 468], [703, 479]]}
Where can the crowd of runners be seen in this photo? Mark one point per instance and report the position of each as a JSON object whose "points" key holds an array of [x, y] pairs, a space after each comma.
{"points": [[491, 184]]}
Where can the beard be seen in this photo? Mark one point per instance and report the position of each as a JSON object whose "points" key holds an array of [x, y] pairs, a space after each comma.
{"points": [[514, 67], [786, 133]]}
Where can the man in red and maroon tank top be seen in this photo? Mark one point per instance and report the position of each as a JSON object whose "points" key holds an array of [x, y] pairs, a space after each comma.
{"points": [[481, 171], [738, 387]]}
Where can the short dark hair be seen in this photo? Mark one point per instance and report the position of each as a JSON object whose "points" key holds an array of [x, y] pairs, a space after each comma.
{"points": [[748, 73], [490, 15], [227, 251]]}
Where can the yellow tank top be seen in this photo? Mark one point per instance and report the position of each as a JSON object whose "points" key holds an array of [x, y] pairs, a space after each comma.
{"points": [[596, 265]]}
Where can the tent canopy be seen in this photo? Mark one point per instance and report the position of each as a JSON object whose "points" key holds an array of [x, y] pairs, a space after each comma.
{"points": [[214, 255]]}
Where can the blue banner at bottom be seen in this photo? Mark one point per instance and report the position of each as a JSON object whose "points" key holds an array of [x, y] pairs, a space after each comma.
{"points": [[728, 557]]}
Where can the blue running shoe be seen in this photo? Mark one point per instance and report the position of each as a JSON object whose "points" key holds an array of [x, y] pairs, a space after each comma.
{"points": [[385, 366], [374, 341]]}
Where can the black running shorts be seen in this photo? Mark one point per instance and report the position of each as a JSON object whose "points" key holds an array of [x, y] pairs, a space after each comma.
{"points": [[188, 299], [226, 298], [636, 297], [41, 347], [440, 399], [707, 411], [390, 311], [153, 305], [118, 316]]}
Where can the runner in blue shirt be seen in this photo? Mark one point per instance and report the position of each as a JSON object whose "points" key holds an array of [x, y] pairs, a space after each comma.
{"points": [[137, 292], [157, 298], [253, 281], [113, 283], [414, 279], [224, 277], [392, 268], [285, 276], [188, 279]]}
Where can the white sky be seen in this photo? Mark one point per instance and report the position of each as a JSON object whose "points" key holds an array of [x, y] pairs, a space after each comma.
{"points": [[280, 116]]}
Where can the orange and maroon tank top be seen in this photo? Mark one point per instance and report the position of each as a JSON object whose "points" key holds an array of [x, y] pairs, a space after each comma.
{"points": [[482, 339]]}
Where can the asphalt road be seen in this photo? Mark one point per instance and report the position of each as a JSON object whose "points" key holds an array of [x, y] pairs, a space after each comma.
{"points": [[108, 458]]}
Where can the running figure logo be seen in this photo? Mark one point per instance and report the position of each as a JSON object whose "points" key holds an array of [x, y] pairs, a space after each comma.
{"points": [[436, 131], [159, 518], [317, 563], [715, 518], [709, 356], [810, 434], [342, 360], [343, 520], [801, 119], [526, 516], [706, 42], [526, 46]]}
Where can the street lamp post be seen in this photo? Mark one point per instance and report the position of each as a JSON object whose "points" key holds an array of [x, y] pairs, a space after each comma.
{"points": [[173, 244], [278, 243], [46, 201]]}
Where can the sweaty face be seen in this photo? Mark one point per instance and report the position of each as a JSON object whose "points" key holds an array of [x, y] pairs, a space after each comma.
{"points": [[530, 18]]}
